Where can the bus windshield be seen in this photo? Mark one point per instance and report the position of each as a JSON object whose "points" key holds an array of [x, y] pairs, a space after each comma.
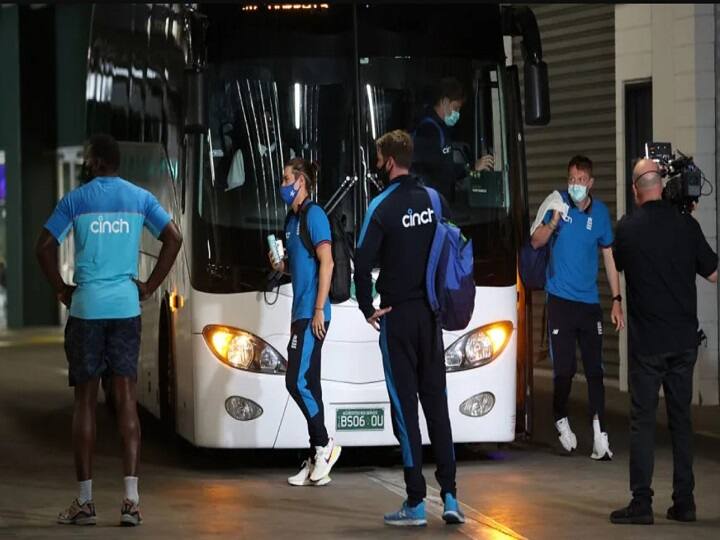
{"points": [[279, 90]]}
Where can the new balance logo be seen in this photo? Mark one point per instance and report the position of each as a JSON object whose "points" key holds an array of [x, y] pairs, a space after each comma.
{"points": [[413, 219], [101, 226]]}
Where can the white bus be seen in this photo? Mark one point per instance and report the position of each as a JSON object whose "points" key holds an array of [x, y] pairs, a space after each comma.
{"points": [[209, 104]]}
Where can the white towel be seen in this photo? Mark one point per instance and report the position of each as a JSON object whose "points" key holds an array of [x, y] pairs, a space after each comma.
{"points": [[554, 201]]}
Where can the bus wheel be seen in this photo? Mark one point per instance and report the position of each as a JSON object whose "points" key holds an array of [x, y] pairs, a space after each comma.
{"points": [[166, 368]]}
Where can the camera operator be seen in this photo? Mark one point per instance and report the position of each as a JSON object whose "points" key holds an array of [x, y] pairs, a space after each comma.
{"points": [[660, 249]]}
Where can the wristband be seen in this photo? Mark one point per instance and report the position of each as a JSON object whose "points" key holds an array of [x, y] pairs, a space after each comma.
{"points": [[319, 309], [617, 298]]}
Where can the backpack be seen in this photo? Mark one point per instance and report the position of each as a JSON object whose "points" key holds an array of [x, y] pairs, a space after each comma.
{"points": [[341, 254], [449, 276], [533, 262]]}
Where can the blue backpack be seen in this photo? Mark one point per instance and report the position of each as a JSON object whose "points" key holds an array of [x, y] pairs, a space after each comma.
{"points": [[534, 262], [449, 279]]}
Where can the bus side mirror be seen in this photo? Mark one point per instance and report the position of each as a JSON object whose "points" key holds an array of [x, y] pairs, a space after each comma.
{"points": [[537, 94]]}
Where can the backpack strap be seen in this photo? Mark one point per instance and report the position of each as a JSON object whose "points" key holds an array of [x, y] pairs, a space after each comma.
{"points": [[435, 202], [304, 231], [431, 120]]}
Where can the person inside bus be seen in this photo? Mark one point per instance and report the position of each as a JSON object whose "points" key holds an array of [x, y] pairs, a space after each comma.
{"points": [[310, 273], [102, 335], [410, 335], [437, 158], [574, 315], [267, 152]]}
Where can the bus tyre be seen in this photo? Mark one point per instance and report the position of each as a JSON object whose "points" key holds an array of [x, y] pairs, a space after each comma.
{"points": [[166, 368]]}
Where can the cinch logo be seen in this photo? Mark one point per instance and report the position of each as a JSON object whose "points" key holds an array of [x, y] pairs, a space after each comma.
{"points": [[412, 219], [101, 226]]}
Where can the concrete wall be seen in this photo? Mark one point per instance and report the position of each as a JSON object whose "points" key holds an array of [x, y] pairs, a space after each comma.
{"points": [[41, 108], [673, 45], [10, 143]]}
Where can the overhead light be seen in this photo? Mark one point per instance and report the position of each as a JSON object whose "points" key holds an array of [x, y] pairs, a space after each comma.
{"points": [[297, 105], [371, 105]]}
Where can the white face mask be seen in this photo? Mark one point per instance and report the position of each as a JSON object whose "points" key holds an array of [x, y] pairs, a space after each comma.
{"points": [[577, 192]]}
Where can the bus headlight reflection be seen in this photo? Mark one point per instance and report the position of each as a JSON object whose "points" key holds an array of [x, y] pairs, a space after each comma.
{"points": [[479, 347], [243, 350]]}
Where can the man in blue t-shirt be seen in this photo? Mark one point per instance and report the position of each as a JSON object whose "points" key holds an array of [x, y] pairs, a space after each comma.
{"points": [[308, 239], [573, 311], [102, 336]]}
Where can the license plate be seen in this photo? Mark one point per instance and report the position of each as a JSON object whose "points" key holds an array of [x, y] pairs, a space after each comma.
{"points": [[360, 420]]}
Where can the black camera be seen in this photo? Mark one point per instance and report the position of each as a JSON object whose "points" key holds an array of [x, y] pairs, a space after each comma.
{"points": [[685, 180]]}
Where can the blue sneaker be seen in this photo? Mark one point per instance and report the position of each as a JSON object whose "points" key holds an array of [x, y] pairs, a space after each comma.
{"points": [[408, 516], [452, 513]]}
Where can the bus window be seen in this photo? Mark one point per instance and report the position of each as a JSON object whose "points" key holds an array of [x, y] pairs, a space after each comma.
{"points": [[275, 90], [256, 126], [453, 109]]}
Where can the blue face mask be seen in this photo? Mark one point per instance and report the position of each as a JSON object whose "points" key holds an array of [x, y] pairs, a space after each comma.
{"points": [[452, 118], [288, 193], [577, 192]]}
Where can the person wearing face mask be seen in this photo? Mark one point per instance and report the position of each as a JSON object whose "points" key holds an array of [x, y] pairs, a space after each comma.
{"points": [[396, 235], [310, 274], [433, 157], [574, 314]]}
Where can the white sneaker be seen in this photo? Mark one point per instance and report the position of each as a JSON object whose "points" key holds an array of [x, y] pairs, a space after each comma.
{"points": [[325, 458], [302, 478], [567, 437], [601, 448]]}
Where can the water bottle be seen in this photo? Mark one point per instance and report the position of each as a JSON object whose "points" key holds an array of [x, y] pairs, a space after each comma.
{"points": [[272, 244]]}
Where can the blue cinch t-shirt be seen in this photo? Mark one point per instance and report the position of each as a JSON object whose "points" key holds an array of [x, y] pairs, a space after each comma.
{"points": [[107, 216], [303, 265], [573, 267]]}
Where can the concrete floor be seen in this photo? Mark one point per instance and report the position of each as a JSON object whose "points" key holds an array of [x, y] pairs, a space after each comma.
{"points": [[520, 490]]}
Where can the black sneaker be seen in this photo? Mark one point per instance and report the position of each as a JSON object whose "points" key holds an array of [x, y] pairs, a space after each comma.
{"points": [[635, 513], [681, 513]]}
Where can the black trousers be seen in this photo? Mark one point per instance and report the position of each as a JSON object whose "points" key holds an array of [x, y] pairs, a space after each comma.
{"points": [[302, 378], [572, 324], [674, 372], [414, 363]]}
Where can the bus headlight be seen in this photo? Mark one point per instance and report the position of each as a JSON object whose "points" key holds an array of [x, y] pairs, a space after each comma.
{"points": [[243, 350], [479, 347], [242, 409], [478, 405]]}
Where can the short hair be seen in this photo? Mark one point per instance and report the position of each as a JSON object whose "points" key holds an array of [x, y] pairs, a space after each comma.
{"points": [[106, 151], [450, 88], [581, 163], [396, 144]]}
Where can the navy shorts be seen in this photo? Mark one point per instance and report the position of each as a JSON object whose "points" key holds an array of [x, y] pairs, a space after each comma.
{"points": [[96, 346]]}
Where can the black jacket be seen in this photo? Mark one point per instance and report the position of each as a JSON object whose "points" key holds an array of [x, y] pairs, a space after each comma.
{"points": [[396, 237], [661, 251], [433, 155]]}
